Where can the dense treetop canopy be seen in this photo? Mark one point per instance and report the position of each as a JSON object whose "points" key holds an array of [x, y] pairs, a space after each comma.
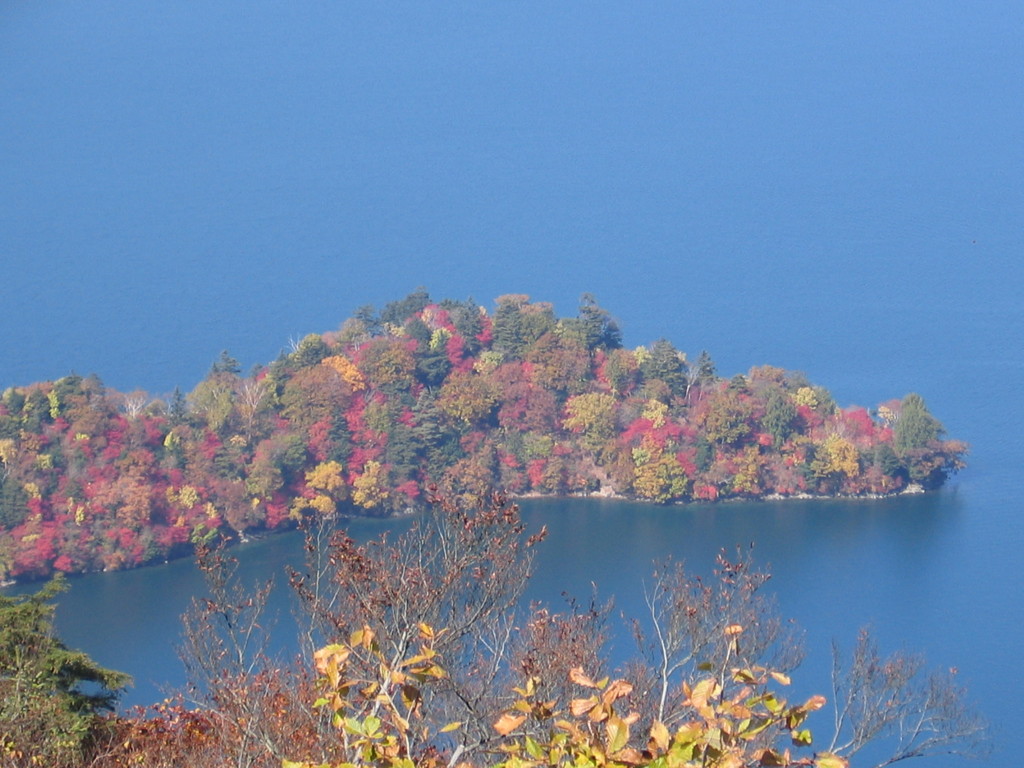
{"points": [[423, 394]]}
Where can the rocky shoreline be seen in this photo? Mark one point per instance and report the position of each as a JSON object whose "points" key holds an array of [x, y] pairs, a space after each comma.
{"points": [[608, 493]]}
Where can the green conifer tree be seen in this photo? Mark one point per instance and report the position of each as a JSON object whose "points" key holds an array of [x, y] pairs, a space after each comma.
{"points": [[50, 695]]}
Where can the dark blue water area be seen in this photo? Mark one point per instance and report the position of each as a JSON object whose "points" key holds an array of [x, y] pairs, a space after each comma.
{"points": [[838, 190], [836, 566], [134, 620]]}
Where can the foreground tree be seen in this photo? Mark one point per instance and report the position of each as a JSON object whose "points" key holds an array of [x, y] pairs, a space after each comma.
{"points": [[457, 568], [51, 697], [686, 633], [899, 708], [732, 717], [422, 657]]}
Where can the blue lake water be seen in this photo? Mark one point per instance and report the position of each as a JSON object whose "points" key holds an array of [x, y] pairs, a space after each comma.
{"points": [[833, 189]]}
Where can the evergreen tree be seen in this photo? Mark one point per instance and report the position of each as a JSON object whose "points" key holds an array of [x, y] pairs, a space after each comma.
{"points": [[397, 312], [916, 427], [665, 363], [177, 411], [367, 318], [50, 695], [13, 500], [779, 416], [432, 368], [467, 321], [593, 327], [705, 368], [225, 364], [509, 333], [417, 329], [600, 331]]}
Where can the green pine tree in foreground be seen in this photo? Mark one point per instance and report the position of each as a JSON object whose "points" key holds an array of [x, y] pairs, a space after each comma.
{"points": [[51, 697]]}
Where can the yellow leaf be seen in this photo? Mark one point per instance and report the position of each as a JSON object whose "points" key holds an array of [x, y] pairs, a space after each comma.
{"points": [[780, 678], [426, 655], [660, 735], [361, 637], [744, 676], [451, 727], [617, 733], [330, 656], [569, 728], [828, 760], [801, 738], [533, 749], [411, 696]]}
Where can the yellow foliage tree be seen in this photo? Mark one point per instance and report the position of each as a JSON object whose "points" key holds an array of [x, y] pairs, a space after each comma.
{"points": [[487, 361], [185, 497], [806, 396], [466, 397], [439, 338], [388, 364], [322, 503], [655, 412], [326, 476], [748, 471], [837, 455], [370, 489], [593, 414], [347, 370], [658, 476], [8, 450], [214, 400]]}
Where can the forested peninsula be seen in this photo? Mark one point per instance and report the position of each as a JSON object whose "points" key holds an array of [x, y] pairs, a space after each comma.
{"points": [[423, 395]]}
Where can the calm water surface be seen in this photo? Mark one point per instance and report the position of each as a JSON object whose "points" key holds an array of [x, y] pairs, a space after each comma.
{"points": [[836, 566]]}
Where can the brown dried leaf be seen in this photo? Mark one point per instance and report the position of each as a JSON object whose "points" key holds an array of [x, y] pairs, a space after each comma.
{"points": [[580, 707], [814, 703], [577, 675], [616, 690], [508, 723]]}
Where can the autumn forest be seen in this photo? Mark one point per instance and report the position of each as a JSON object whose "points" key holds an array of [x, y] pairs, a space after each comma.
{"points": [[427, 395]]}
